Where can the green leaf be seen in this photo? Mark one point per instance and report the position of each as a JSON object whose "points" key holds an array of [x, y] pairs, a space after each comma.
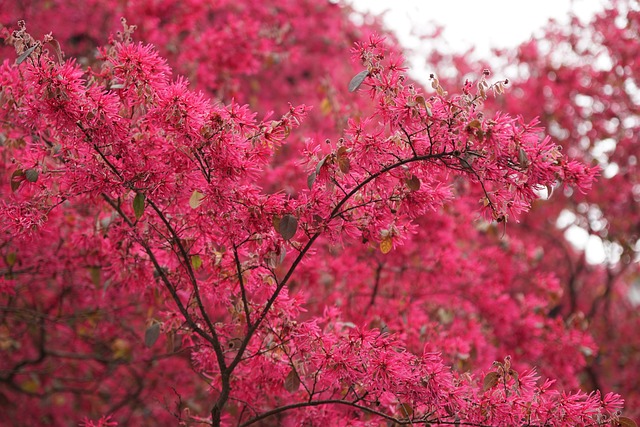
{"points": [[196, 261], [152, 334], [357, 80], [311, 179], [25, 54], [31, 175], [138, 205]]}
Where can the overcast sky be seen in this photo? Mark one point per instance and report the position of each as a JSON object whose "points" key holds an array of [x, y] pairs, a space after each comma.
{"points": [[500, 23]]}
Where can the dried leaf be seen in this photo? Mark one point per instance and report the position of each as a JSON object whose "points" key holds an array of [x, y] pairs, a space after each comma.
{"points": [[283, 254], [427, 106], [626, 422], [475, 124], [196, 262], [96, 276], [152, 334], [406, 410], [16, 179], [490, 380], [413, 183], [31, 174], [57, 50], [170, 342], [292, 382], [287, 226], [174, 342], [385, 245], [138, 205], [523, 159], [357, 80], [343, 161], [196, 199]]}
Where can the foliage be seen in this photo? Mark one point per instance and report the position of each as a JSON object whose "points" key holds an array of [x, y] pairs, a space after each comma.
{"points": [[168, 254]]}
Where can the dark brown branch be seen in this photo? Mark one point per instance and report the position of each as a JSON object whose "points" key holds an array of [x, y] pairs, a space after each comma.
{"points": [[243, 292]]}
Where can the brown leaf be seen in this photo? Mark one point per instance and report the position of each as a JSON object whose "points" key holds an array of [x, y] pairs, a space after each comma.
{"points": [[626, 422], [287, 226], [343, 161], [475, 124], [490, 380], [292, 381], [413, 183], [16, 179], [406, 410], [523, 159], [57, 50]]}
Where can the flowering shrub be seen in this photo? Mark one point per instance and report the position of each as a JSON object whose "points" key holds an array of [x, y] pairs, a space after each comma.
{"points": [[173, 254]]}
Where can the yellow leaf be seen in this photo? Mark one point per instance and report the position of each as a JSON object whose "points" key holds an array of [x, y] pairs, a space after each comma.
{"points": [[325, 106], [11, 258], [196, 199], [121, 349], [386, 245], [30, 386]]}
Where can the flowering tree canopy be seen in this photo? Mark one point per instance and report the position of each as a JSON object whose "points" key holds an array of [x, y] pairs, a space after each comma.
{"points": [[258, 230]]}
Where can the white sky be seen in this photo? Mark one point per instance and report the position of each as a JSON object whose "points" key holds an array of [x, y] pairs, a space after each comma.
{"points": [[488, 23]]}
